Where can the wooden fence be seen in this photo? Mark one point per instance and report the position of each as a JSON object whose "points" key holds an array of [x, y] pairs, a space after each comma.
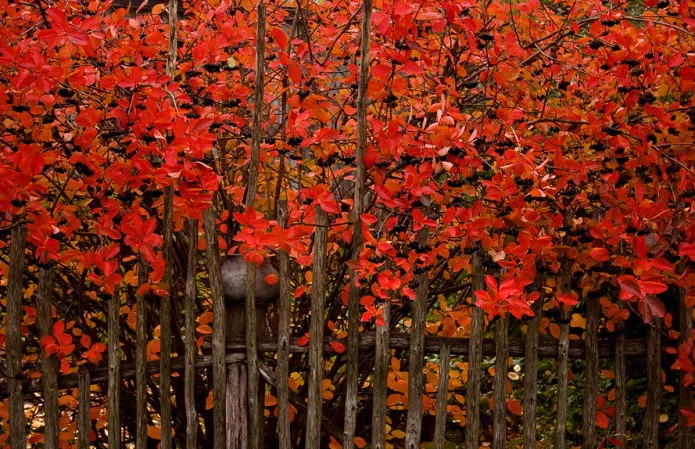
{"points": [[238, 427]]}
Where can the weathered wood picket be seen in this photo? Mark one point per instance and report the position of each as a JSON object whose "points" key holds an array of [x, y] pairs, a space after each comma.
{"points": [[417, 343]]}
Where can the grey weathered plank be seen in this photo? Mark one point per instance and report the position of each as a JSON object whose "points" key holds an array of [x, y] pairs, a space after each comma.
{"points": [[141, 360], [686, 435], [318, 292], [442, 397], [475, 354], [219, 375], [113, 374], [381, 369], [563, 347], [500, 383], [84, 403], [49, 363], [531, 367], [189, 336], [591, 373], [13, 335], [352, 374], [654, 386], [255, 416], [416, 353], [168, 230], [283, 339]]}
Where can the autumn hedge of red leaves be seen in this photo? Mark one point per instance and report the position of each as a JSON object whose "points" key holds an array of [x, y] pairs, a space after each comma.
{"points": [[531, 130]]}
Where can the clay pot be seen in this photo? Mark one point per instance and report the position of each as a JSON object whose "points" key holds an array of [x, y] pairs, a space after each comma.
{"points": [[234, 281]]}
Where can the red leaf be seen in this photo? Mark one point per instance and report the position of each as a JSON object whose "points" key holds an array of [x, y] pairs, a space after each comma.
{"points": [[294, 71], [568, 298], [630, 286], [304, 339], [602, 420], [338, 347], [600, 254], [279, 37], [652, 287]]}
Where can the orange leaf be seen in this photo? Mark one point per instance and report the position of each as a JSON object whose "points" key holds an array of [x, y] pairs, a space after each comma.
{"points": [[514, 406], [271, 279], [204, 329], [154, 432], [359, 442]]}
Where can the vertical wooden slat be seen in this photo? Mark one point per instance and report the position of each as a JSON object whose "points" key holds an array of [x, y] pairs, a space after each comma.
{"points": [[352, 374], [416, 359], [141, 360], [165, 321], [283, 338], [475, 356], [114, 383], [620, 385], [318, 291], [686, 435], [651, 414], [500, 383], [591, 373], [381, 369], [531, 366], [168, 229], [189, 336], [13, 335], [83, 411], [442, 397], [254, 407], [219, 375], [563, 347], [49, 365]]}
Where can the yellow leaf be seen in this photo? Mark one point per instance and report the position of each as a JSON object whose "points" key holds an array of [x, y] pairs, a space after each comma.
{"points": [[398, 434], [578, 321]]}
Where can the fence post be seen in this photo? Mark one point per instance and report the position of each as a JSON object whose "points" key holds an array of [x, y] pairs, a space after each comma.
{"points": [[318, 290], [651, 413], [500, 382], [189, 336], [381, 369], [219, 378], [475, 356], [49, 365], [84, 404], [620, 384], [442, 397], [114, 382], [15, 292], [591, 377], [686, 435], [531, 365], [563, 345], [283, 338], [141, 360], [352, 375], [416, 358]]}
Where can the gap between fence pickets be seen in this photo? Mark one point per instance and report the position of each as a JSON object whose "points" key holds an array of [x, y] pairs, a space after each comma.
{"points": [[547, 348]]}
